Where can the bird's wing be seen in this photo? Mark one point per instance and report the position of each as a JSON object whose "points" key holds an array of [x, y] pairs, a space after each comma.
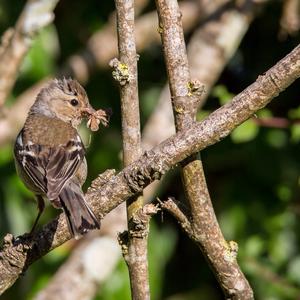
{"points": [[63, 165], [50, 168]]}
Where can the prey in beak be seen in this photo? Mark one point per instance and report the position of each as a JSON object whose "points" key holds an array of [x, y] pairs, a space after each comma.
{"points": [[96, 117]]}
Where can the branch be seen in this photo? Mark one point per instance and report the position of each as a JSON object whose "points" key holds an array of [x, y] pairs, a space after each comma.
{"points": [[185, 94], [126, 74], [19, 253], [220, 37], [135, 251], [177, 213], [16, 42], [185, 99]]}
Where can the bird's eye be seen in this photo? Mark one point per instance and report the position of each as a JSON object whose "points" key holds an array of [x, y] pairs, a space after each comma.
{"points": [[74, 102]]}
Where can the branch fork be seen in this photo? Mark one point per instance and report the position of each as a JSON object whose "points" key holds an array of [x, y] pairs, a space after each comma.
{"points": [[139, 226]]}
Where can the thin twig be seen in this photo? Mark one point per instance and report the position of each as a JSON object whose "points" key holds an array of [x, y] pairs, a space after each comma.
{"points": [[19, 253], [125, 72], [16, 42], [184, 95], [178, 214]]}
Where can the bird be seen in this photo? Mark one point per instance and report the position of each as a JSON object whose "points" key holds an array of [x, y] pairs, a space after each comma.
{"points": [[50, 155]]}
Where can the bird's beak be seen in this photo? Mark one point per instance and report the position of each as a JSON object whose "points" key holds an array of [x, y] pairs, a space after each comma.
{"points": [[87, 111]]}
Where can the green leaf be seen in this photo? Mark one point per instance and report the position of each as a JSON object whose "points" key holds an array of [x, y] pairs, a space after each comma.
{"points": [[245, 132]]}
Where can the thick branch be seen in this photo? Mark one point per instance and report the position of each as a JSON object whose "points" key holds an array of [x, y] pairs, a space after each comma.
{"points": [[18, 254], [184, 96], [125, 72], [135, 251], [16, 42], [184, 99]]}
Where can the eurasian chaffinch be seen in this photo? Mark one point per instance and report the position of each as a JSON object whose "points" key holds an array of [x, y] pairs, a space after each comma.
{"points": [[49, 153]]}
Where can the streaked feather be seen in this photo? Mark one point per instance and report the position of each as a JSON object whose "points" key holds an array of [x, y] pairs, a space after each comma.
{"points": [[48, 167]]}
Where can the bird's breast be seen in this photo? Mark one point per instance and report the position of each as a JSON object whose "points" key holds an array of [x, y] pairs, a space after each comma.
{"points": [[47, 131]]}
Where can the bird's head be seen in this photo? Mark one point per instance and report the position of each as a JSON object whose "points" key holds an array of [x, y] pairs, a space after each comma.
{"points": [[64, 99]]}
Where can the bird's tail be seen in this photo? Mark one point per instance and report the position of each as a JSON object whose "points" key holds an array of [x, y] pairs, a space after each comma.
{"points": [[79, 216]]}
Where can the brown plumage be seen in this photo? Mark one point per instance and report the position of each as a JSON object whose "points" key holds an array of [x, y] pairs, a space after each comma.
{"points": [[49, 153], [36, 130]]}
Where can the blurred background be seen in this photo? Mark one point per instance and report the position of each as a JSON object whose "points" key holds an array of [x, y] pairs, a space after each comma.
{"points": [[253, 176]]}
